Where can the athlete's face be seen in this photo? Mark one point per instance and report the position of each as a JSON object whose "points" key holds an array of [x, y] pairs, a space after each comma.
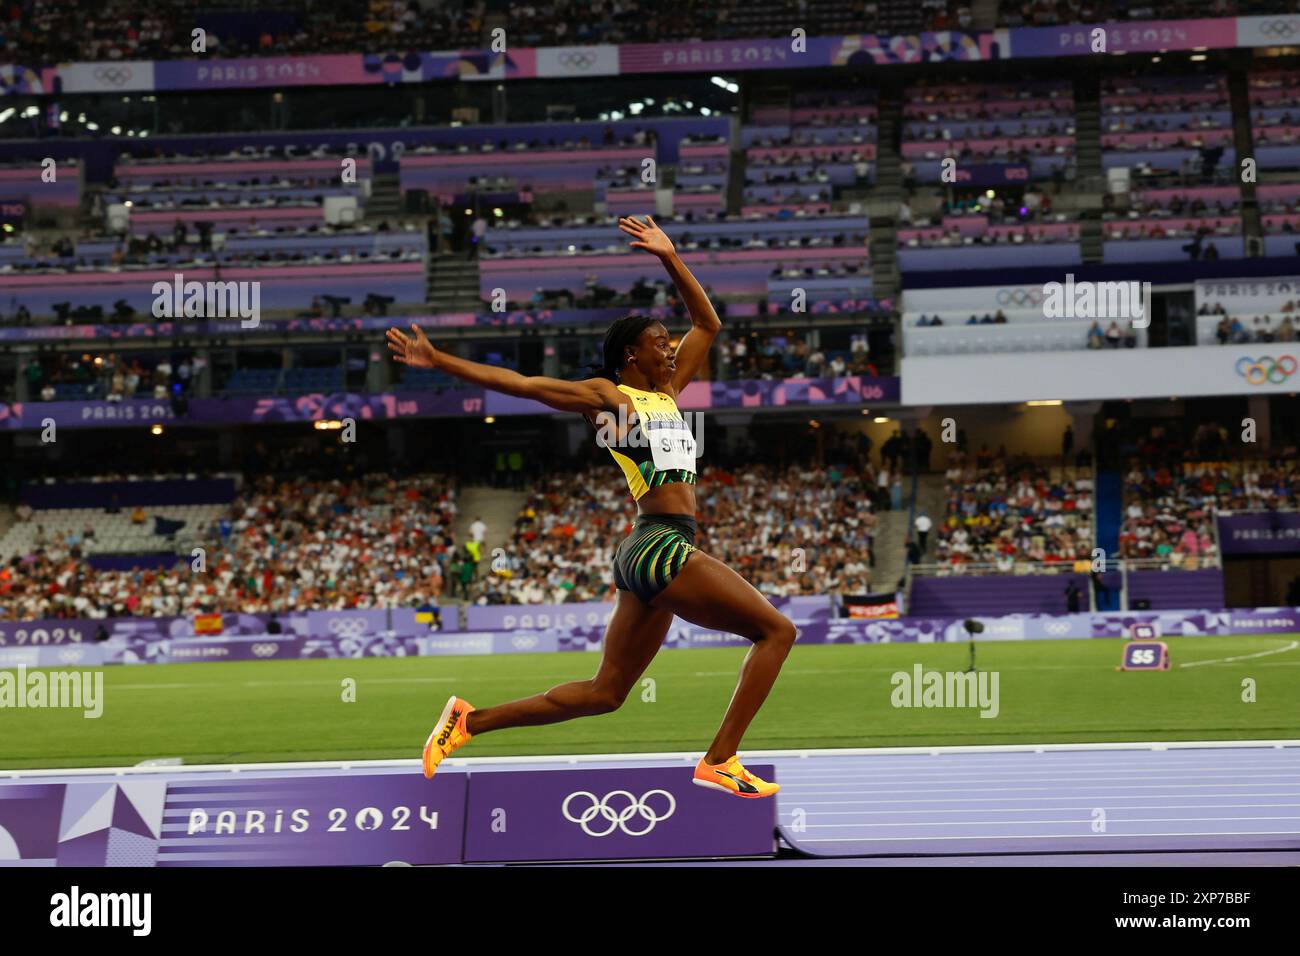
{"points": [[654, 356]]}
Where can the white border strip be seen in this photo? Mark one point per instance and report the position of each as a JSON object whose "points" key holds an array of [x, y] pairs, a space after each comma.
{"points": [[678, 755]]}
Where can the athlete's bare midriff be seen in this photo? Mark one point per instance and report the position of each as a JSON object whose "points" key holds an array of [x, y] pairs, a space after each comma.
{"points": [[677, 498]]}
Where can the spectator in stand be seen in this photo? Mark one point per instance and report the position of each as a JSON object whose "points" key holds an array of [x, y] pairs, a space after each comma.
{"points": [[923, 526]]}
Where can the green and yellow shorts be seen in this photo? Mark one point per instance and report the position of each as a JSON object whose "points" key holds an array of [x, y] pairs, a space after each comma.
{"points": [[650, 557]]}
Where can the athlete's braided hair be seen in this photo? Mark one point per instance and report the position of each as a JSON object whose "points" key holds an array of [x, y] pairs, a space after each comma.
{"points": [[624, 332]]}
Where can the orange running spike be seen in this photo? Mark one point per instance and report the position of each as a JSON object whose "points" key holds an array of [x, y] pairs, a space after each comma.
{"points": [[731, 777], [448, 734]]}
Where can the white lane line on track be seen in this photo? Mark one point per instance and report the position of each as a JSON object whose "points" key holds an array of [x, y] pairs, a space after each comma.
{"points": [[912, 803], [1003, 823], [873, 780], [1046, 836], [1242, 657], [1082, 787], [1162, 806], [1016, 773]]}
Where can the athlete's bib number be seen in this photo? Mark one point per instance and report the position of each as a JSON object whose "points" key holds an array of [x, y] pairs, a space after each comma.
{"points": [[671, 444]]}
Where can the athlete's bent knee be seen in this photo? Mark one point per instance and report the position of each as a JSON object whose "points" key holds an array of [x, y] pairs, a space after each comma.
{"points": [[779, 633], [604, 700]]}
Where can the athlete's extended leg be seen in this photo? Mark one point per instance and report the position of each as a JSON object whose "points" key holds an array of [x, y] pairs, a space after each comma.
{"points": [[632, 639], [708, 593]]}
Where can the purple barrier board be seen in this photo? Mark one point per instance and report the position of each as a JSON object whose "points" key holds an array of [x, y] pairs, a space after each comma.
{"points": [[234, 820], [685, 56], [326, 821], [747, 393], [653, 813], [1144, 36], [169, 640], [506, 617], [1271, 532], [446, 320]]}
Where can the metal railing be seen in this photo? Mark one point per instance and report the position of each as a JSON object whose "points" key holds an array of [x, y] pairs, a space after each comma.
{"points": [[1015, 568], [1077, 566]]}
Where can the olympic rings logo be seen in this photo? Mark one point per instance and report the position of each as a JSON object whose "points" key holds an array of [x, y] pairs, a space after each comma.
{"points": [[618, 820], [113, 75], [265, 650], [1020, 296], [1267, 369], [1278, 28], [348, 626], [577, 59]]}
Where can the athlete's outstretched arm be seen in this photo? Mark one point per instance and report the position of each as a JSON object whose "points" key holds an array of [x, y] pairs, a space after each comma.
{"points": [[695, 344], [590, 395]]}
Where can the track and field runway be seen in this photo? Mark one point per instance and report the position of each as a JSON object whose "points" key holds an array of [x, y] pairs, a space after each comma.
{"points": [[1220, 803], [1139, 805]]}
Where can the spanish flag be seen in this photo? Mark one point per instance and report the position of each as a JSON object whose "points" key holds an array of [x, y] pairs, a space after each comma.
{"points": [[208, 624]]}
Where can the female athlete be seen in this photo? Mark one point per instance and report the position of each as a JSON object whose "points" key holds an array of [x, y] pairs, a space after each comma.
{"points": [[658, 571]]}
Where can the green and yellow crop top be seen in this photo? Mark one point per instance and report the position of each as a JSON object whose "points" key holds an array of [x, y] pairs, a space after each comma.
{"points": [[657, 448]]}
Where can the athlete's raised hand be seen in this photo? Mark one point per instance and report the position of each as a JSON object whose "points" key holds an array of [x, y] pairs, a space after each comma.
{"points": [[413, 350], [647, 235]]}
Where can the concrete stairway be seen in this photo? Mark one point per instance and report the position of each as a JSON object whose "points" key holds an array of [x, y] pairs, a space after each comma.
{"points": [[1243, 140], [453, 284], [385, 200], [7, 520], [499, 507], [933, 500], [1090, 175], [891, 551], [885, 196]]}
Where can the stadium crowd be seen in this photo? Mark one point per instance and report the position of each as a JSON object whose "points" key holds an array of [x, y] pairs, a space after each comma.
{"points": [[380, 541], [303, 544], [1171, 506], [45, 32], [788, 531], [1003, 511]]}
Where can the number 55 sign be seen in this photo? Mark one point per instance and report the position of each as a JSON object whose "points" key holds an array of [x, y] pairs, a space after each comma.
{"points": [[1145, 656]]}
